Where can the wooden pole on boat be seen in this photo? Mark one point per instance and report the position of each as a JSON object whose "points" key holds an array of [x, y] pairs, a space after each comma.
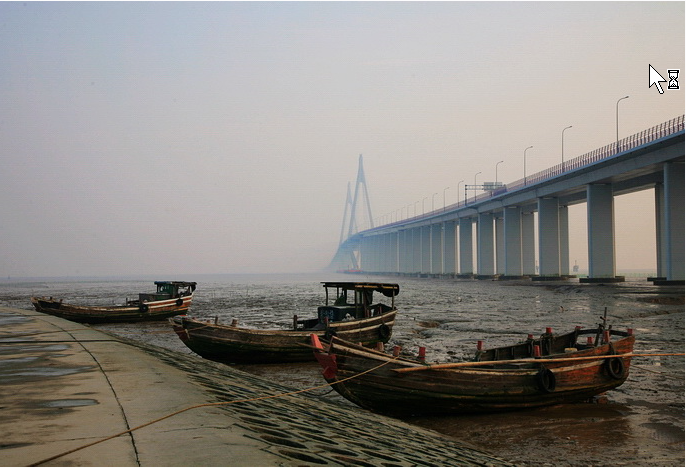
{"points": [[451, 365]]}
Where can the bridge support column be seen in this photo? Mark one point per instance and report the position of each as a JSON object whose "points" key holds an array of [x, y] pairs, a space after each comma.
{"points": [[674, 220], [374, 256], [379, 253], [564, 240], [404, 251], [499, 245], [660, 232], [528, 244], [449, 247], [466, 251], [365, 254], [601, 234], [426, 249], [484, 247], [548, 238], [382, 253], [512, 228], [436, 248], [416, 250], [393, 252]]}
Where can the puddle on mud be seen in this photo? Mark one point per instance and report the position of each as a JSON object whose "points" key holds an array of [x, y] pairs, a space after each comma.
{"points": [[69, 403], [665, 432]]}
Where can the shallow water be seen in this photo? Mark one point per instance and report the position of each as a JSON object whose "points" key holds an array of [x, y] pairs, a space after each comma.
{"points": [[639, 424]]}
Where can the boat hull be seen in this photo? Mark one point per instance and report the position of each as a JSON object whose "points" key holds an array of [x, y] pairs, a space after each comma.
{"points": [[236, 345], [154, 310], [498, 387]]}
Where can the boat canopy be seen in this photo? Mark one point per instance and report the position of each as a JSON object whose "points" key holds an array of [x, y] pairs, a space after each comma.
{"points": [[173, 286], [387, 289]]}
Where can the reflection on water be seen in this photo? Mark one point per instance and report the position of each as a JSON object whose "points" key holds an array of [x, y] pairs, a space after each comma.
{"points": [[642, 424]]}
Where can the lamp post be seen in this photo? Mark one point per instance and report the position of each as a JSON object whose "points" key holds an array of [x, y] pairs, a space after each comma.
{"points": [[425, 198], [415, 207], [432, 200], [444, 197], [496, 171], [475, 184], [563, 147], [458, 192], [617, 119], [525, 163]]}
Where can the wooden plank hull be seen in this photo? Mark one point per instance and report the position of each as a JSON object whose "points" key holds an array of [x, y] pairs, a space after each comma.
{"points": [[236, 345], [154, 310], [495, 387]]}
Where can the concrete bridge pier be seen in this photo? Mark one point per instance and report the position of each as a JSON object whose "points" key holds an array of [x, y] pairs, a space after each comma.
{"points": [[660, 233], [548, 238], [436, 248], [466, 251], [393, 249], [601, 235], [425, 249], [449, 247], [563, 216], [484, 247], [499, 244], [512, 242], [416, 250], [528, 244], [673, 216]]}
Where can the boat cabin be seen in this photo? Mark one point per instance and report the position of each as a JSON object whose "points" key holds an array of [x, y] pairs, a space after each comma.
{"points": [[355, 300], [169, 290]]}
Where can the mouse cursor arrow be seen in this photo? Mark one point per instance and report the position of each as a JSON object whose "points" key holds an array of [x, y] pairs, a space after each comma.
{"points": [[654, 78]]}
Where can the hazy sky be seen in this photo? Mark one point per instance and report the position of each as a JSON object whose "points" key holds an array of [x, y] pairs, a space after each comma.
{"points": [[170, 138]]}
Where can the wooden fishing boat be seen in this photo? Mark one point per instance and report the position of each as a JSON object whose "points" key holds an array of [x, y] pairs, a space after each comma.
{"points": [[537, 372], [352, 315], [171, 298]]}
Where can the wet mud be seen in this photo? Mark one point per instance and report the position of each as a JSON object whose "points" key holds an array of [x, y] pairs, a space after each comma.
{"points": [[640, 423]]}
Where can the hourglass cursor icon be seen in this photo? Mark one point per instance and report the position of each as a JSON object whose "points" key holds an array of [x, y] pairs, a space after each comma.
{"points": [[654, 78]]}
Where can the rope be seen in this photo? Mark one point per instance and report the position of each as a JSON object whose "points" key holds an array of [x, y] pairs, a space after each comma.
{"points": [[664, 374], [4, 337], [222, 403], [527, 361]]}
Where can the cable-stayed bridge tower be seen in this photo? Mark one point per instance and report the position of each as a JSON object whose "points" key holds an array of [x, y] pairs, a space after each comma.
{"points": [[347, 257]]}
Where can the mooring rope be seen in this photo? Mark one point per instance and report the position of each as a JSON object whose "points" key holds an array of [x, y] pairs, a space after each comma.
{"points": [[664, 374], [221, 403]]}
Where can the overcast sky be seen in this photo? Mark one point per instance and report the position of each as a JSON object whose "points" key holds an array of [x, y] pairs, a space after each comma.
{"points": [[170, 138]]}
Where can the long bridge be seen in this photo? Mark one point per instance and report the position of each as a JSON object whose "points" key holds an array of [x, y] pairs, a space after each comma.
{"points": [[442, 242]]}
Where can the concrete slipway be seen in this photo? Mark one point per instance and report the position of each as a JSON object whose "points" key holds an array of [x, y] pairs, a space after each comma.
{"points": [[65, 385]]}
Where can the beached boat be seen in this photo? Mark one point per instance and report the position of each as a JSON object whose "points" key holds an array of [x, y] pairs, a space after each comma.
{"points": [[172, 298], [352, 315], [570, 368]]}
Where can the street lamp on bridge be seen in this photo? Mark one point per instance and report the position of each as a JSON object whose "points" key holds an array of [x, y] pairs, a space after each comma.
{"points": [[525, 163], [475, 185], [617, 119], [496, 171], [458, 192], [444, 197], [563, 147]]}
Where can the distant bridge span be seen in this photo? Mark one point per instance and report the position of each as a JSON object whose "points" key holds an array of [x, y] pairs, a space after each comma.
{"points": [[441, 242]]}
